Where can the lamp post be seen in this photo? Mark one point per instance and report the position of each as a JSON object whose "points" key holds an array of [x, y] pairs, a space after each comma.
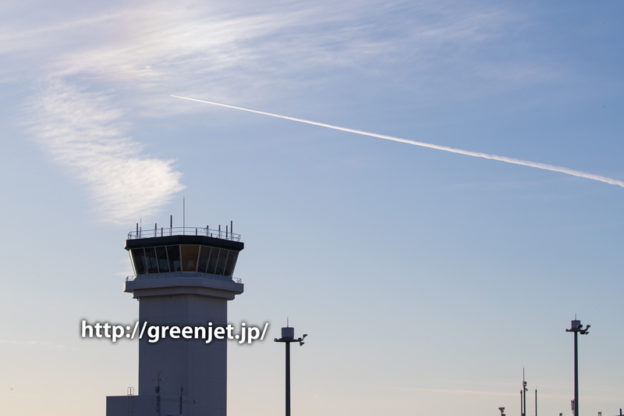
{"points": [[523, 396], [524, 392], [577, 328], [535, 402], [288, 336]]}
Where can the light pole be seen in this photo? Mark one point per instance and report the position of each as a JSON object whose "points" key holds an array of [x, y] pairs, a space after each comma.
{"points": [[577, 328], [535, 402], [524, 392], [288, 336], [523, 396]]}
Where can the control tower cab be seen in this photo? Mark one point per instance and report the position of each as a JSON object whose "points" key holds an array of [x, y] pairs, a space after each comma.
{"points": [[204, 251]]}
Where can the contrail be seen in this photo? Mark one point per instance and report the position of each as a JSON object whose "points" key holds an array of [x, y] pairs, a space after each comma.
{"points": [[504, 159]]}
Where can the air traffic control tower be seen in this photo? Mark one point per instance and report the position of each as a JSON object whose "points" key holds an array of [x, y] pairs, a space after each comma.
{"points": [[183, 277]]}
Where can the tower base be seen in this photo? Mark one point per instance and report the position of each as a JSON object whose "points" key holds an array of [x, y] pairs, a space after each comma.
{"points": [[149, 406]]}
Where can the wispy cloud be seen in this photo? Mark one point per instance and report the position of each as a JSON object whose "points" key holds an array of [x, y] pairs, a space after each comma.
{"points": [[209, 49], [16, 39], [84, 132], [205, 46]]}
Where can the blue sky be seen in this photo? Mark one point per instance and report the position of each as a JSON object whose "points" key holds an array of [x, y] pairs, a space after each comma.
{"points": [[426, 280]]}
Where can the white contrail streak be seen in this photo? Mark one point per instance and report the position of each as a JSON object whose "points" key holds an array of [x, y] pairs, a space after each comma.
{"points": [[504, 159]]}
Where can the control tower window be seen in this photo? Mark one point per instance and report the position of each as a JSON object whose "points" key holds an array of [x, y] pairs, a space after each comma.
{"points": [[189, 257], [214, 258], [138, 259], [150, 256], [204, 254], [174, 258], [163, 263], [231, 263], [222, 262]]}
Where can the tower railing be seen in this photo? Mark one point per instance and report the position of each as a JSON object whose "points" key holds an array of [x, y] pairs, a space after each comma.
{"points": [[131, 278], [206, 231]]}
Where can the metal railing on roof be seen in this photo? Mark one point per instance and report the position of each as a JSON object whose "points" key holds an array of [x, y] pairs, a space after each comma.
{"points": [[206, 231], [234, 279]]}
